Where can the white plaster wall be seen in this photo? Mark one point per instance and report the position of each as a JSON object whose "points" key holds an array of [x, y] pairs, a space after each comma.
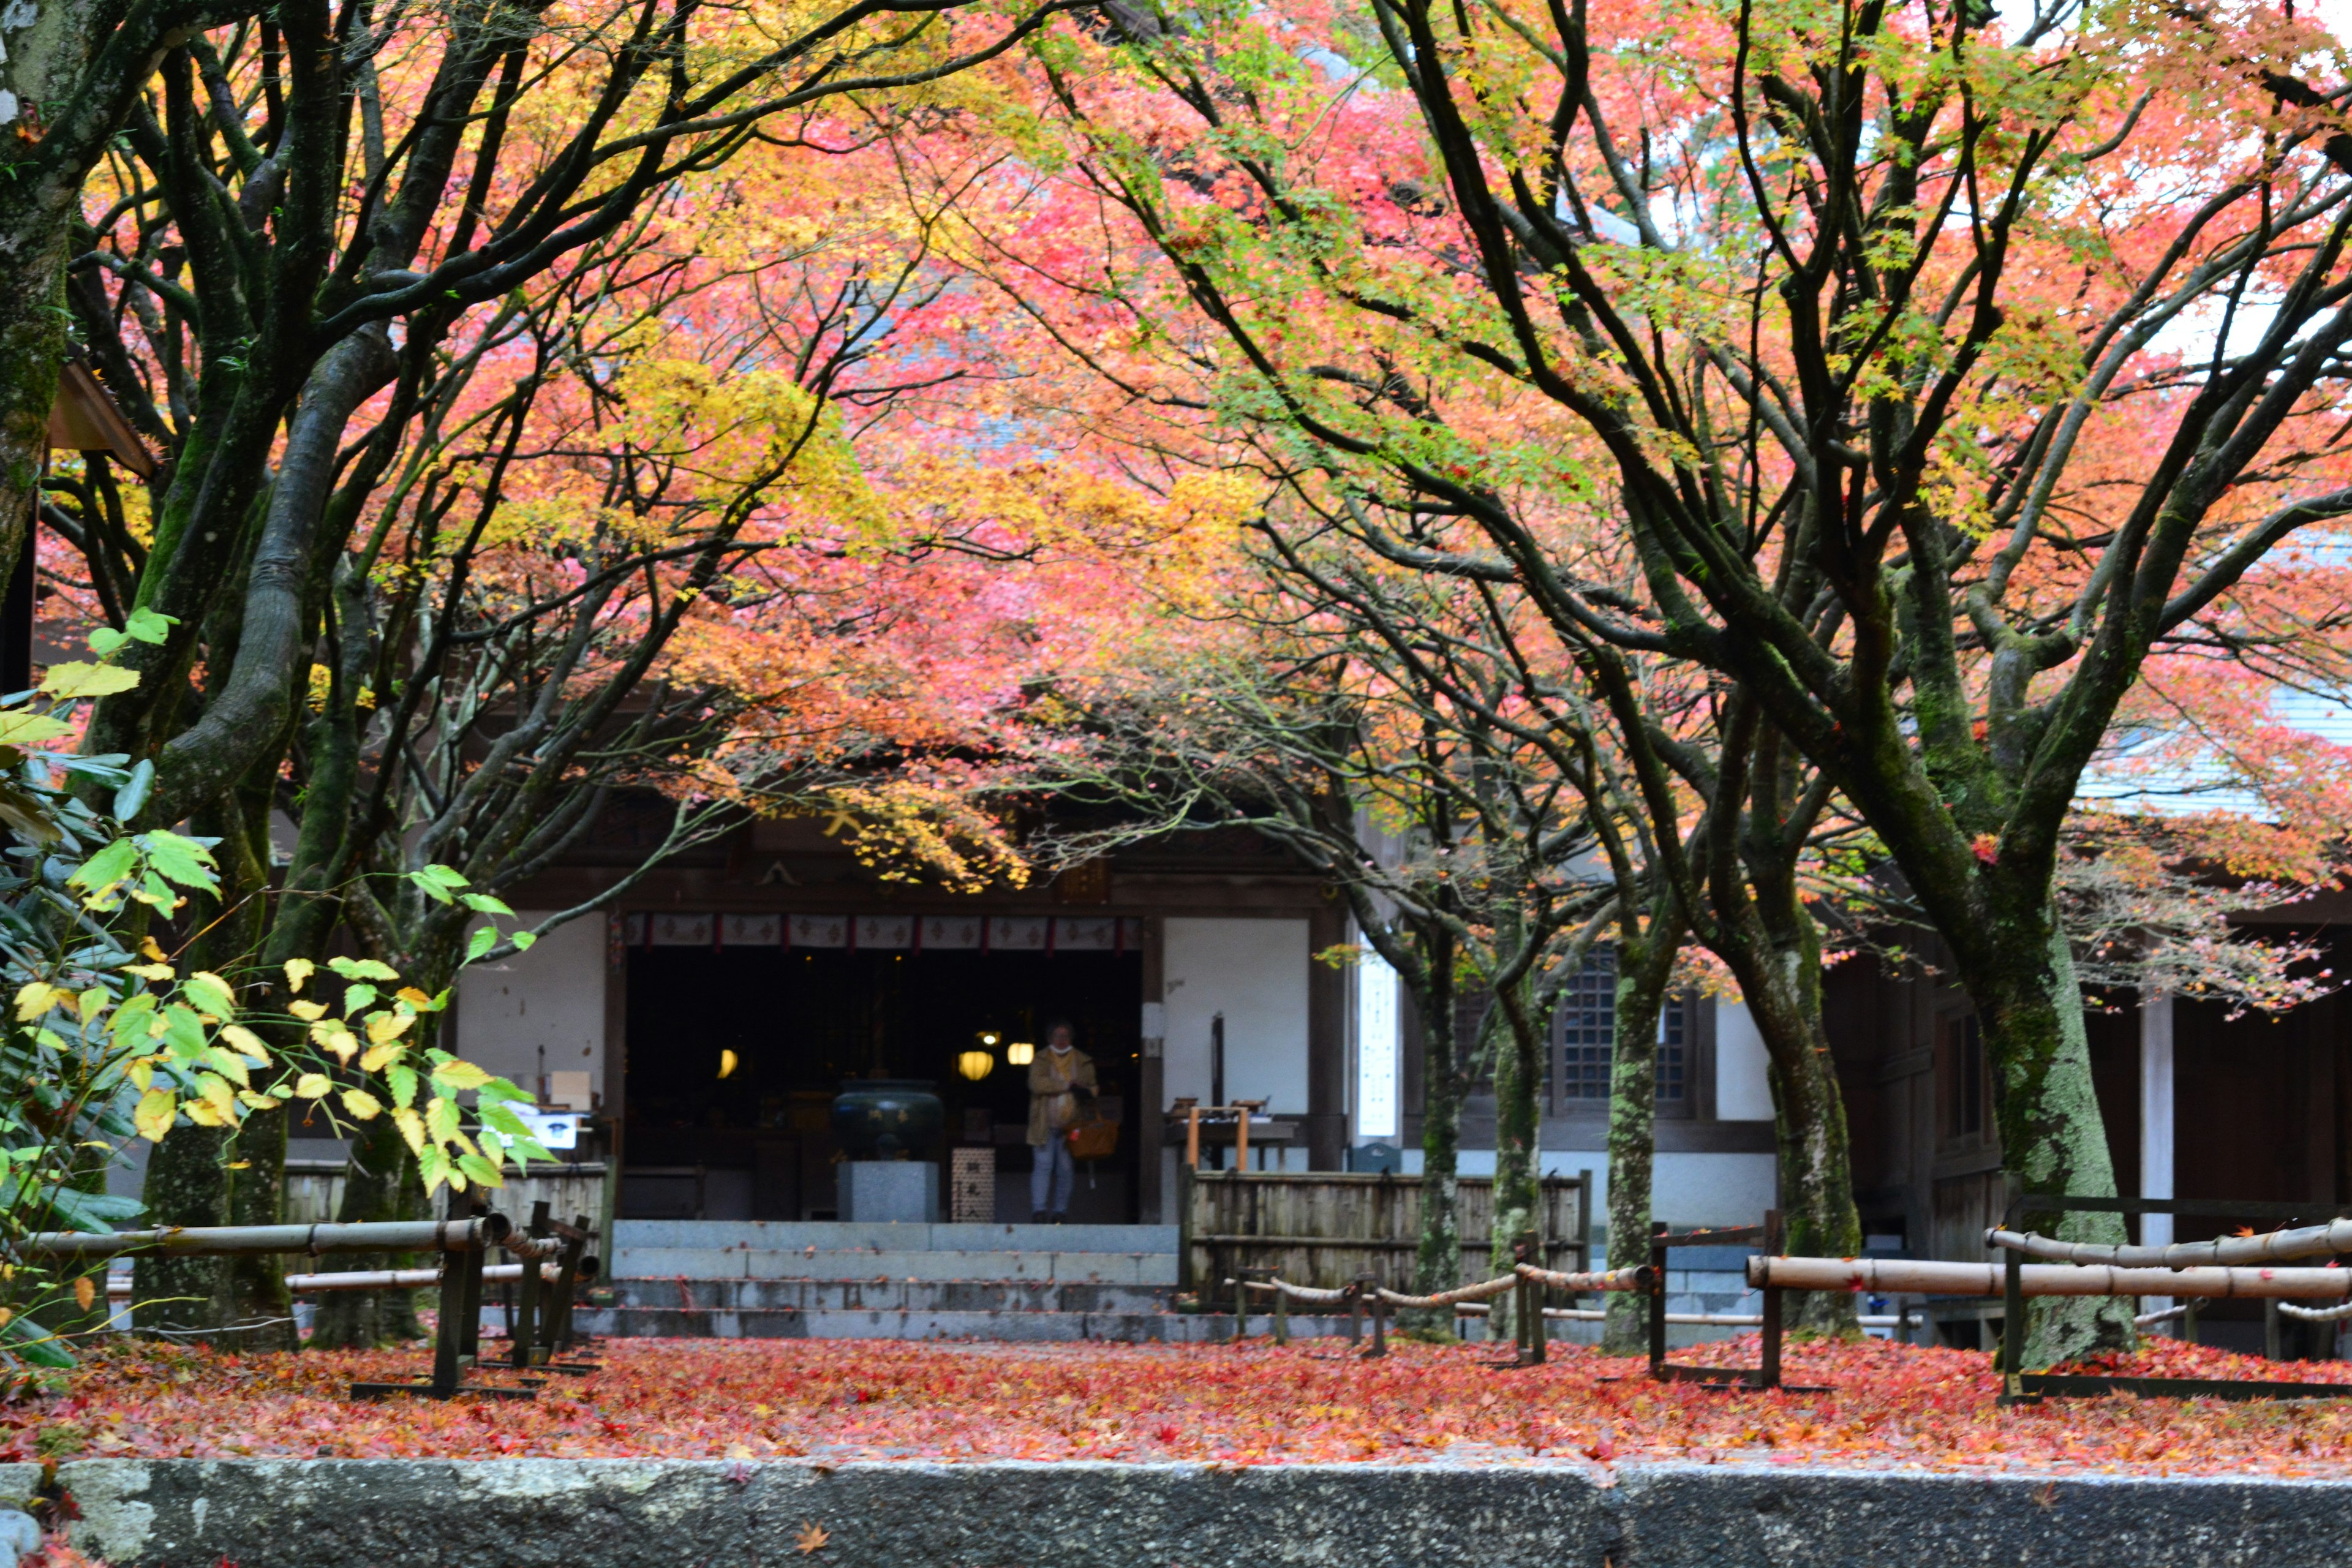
{"points": [[1255, 972], [552, 996], [1741, 1090], [1686, 1189]]}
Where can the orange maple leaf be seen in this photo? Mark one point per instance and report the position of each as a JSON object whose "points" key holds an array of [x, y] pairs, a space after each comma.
{"points": [[811, 1538]]}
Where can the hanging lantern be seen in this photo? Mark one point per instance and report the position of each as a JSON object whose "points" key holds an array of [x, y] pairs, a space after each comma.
{"points": [[975, 1065], [727, 1062], [1020, 1053]]}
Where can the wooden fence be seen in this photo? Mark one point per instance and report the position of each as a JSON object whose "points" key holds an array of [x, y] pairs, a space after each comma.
{"points": [[314, 1189], [1323, 1229]]}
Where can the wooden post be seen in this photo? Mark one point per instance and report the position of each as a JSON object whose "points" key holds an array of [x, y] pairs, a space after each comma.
{"points": [[1240, 1305], [1531, 1302], [469, 1300], [1281, 1317], [1583, 1226], [524, 1330], [444, 1332], [1241, 1138], [1658, 1302], [1379, 1321], [2270, 1329], [1192, 1138], [1767, 1374], [2189, 1322], [2012, 1322], [556, 1336], [1356, 1309]]}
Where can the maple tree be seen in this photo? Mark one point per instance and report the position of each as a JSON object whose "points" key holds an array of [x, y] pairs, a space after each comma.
{"points": [[361, 279], [1836, 322]]}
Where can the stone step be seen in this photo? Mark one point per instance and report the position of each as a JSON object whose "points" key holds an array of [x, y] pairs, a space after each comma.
{"points": [[893, 1295], [828, 1236], [834, 1323], [640, 1261]]}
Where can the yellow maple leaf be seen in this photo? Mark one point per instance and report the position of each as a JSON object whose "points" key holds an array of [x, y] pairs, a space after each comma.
{"points": [[297, 970], [309, 1012], [811, 1537]]}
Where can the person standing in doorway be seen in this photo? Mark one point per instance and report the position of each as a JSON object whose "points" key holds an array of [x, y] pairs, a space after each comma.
{"points": [[1061, 1095]]}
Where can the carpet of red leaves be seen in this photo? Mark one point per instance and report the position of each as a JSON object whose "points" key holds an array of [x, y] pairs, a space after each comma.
{"points": [[1888, 1406]]}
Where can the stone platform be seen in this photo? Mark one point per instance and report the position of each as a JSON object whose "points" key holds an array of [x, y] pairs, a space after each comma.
{"points": [[779, 1279], [656, 1513]]}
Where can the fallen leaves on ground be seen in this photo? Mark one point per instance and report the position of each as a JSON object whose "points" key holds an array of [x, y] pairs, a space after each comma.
{"points": [[829, 1401]]}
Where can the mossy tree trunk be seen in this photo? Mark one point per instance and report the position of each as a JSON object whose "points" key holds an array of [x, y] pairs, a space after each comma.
{"points": [[1645, 966]]}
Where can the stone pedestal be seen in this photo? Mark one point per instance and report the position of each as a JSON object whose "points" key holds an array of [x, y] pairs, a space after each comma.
{"points": [[879, 1191]]}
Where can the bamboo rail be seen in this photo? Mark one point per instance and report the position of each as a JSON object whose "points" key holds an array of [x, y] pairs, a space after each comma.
{"points": [[412, 1278], [1927, 1278], [475, 1234], [2271, 1247]]}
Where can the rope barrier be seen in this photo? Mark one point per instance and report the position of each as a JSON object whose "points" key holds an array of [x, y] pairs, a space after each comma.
{"points": [[2149, 1320], [2224, 1251], [1477, 1292], [2315, 1314], [1636, 1278]]}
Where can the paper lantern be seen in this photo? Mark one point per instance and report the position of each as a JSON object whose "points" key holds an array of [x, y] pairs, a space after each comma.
{"points": [[727, 1061], [1020, 1053], [975, 1065]]}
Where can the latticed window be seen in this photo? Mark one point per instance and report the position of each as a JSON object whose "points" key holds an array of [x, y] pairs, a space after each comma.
{"points": [[1588, 1021], [1588, 1032]]}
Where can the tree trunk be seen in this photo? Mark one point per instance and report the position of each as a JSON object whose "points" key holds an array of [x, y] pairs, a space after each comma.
{"points": [[2052, 1134], [185, 1185], [376, 1186], [1784, 997], [1519, 1151], [1438, 1264], [1643, 967]]}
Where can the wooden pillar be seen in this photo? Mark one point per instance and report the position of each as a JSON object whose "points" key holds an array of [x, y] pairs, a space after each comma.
{"points": [[1152, 1193], [2155, 1143]]}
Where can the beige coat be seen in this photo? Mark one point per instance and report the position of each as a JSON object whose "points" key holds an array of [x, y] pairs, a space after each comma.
{"points": [[1053, 1101]]}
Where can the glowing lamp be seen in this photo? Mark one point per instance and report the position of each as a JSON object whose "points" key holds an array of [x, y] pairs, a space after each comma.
{"points": [[975, 1065], [1020, 1053], [989, 1038], [727, 1061]]}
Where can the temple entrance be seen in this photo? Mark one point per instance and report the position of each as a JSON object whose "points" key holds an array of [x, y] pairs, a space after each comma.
{"points": [[734, 1057]]}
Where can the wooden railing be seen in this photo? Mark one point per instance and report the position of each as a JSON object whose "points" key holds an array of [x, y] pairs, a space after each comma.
{"points": [[1325, 1229]]}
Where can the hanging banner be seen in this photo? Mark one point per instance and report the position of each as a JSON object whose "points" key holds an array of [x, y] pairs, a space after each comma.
{"points": [[751, 931], [950, 933], [683, 931], [1018, 934], [883, 932], [1086, 933], [819, 930]]}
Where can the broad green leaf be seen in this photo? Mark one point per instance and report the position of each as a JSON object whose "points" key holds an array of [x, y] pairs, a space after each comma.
{"points": [[459, 1076], [483, 904], [182, 861], [153, 626], [211, 993], [153, 1117], [362, 969], [132, 796], [403, 1080], [484, 1173], [481, 942], [231, 1064], [102, 872], [20, 729], [524, 940], [245, 1040], [412, 1128], [69, 682]]}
